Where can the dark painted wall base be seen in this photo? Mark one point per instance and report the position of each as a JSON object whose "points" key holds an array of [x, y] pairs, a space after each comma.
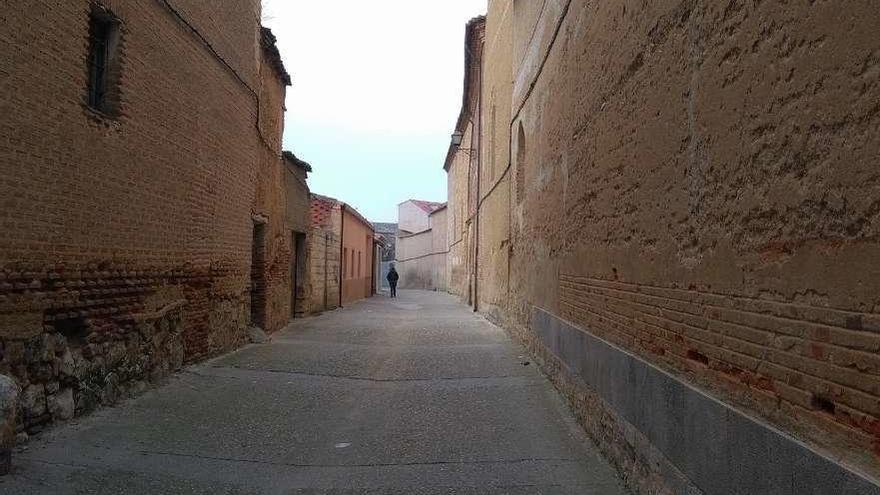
{"points": [[719, 449]]}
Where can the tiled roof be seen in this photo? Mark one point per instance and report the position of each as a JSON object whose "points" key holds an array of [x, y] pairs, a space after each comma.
{"points": [[321, 207], [427, 206]]}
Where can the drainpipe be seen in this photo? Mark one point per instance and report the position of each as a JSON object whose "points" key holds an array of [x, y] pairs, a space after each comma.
{"points": [[341, 248], [326, 269], [479, 179]]}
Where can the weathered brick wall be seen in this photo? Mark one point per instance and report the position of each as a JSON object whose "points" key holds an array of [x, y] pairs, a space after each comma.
{"points": [[297, 218], [228, 27], [298, 204], [699, 186], [126, 241], [271, 194], [494, 232], [457, 195], [462, 167], [324, 254]]}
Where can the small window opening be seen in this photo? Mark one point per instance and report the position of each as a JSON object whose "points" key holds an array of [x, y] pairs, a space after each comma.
{"points": [[698, 356], [74, 329], [823, 404], [103, 60]]}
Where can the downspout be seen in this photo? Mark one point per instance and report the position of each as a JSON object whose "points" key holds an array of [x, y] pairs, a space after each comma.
{"points": [[479, 179], [326, 269], [341, 249]]}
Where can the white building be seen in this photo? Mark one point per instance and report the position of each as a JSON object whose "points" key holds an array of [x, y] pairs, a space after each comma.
{"points": [[422, 245]]}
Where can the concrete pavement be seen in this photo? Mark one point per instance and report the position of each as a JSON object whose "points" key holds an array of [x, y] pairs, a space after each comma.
{"points": [[415, 395]]}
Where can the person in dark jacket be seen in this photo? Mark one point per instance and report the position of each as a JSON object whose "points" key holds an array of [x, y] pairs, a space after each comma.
{"points": [[393, 277]]}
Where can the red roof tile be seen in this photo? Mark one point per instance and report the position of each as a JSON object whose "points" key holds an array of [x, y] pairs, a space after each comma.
{"points": [[427, 206]]}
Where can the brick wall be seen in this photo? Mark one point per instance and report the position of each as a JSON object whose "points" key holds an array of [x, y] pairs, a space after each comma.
{"points": [[695, 183], [297, 219], [457, 219], [462, 166], [324, 254], [271, 192], [126, 241], [494, 193]]}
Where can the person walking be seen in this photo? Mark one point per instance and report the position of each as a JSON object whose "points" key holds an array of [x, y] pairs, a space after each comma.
{"points": [[393, 277]]}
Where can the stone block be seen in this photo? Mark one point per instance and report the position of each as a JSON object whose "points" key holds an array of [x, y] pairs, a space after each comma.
{"points": [[9, 393], [33, 401], [61, 404], [258, 336]]}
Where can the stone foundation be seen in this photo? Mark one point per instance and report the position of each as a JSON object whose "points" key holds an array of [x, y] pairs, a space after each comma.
{"points": [[76, 340], [8, 411]]}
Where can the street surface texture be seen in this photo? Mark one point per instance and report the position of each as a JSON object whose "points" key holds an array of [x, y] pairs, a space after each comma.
{"points": [[415, 395]]}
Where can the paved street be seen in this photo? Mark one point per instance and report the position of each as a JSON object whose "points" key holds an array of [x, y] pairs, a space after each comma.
{"points": [[413, 396]]}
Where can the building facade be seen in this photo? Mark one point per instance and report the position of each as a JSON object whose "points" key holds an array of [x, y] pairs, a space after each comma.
{"points": [[298, 218], [676, 208], [342, 254], [412, 215], [143, 224], [325, 253], [461, 168], [358, 255], [387, 232], [421, 254]]}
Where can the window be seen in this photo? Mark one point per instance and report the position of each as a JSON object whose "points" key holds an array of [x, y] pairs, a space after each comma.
{"points": [[103, 60], [345, 263], [359, 264]]}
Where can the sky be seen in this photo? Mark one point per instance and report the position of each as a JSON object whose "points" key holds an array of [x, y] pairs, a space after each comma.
{"points": [[376, 92]]}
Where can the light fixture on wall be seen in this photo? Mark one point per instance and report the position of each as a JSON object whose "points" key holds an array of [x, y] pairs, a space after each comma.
{"points": [[456, 141]]}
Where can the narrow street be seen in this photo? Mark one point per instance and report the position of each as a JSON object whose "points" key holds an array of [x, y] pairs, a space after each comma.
{"points": [[413, 396]]}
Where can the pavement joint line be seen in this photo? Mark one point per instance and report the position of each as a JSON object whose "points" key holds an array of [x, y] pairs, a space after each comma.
{"points": [[355, 378], [304, 465], [287, 341]]}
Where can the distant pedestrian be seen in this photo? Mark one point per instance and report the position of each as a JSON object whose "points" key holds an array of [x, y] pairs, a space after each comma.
{"points": [[393, 277]]}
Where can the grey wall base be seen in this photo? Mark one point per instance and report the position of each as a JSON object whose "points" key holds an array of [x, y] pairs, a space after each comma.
{"points": [[720, 450]]}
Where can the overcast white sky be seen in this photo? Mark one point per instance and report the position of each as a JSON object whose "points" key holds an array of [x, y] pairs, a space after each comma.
{"points": [[376, 92]]}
